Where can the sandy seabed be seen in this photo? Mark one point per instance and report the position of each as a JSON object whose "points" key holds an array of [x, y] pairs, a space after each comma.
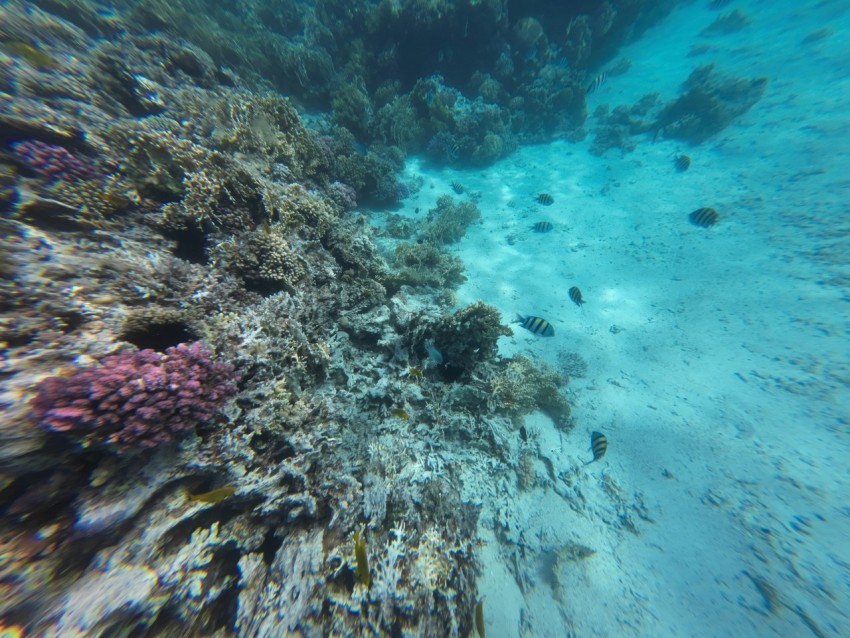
{"points": [[717, 359]]}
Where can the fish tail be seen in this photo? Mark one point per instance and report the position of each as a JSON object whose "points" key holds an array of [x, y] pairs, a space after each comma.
{"points": [[519, 318]]}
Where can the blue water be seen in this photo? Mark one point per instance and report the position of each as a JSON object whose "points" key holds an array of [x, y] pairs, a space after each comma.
{"points": [[715, 359]]}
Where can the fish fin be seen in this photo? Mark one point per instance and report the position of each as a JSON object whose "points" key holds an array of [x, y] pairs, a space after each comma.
{"points": [[519, 318]]}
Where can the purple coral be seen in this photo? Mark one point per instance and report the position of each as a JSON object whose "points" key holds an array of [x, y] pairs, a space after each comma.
{"points": [[53, 162], [136, 399], [343, 195]]}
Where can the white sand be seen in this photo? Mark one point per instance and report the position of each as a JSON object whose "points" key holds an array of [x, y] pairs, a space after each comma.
{"points": [[729, 371]]}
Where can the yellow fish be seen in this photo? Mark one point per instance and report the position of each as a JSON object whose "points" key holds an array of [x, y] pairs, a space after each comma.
{"points": [[28, 52], [361, 570], [479, 618], [400, 414], [214, 496]]}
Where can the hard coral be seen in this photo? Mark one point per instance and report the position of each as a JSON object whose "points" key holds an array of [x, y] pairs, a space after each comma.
{"points": [[447, 223], [52, 162], [266, 262], [709, 104], [136, 399], [528, 384], [426, 265], [470, 335]]}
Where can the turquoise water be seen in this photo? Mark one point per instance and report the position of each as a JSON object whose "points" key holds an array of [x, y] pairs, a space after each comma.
{"points": [[397, 459]]}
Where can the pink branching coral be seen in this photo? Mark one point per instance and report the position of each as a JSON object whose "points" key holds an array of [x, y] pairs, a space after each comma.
{"points": [[136, 399], [53, 162]]}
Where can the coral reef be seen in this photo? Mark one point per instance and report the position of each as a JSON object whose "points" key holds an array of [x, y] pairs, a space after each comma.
{"points": [[423, 264], [351, 60], [469, 336], [447, 223], [264, 260], [617, 128], [524, 384], [51, 161], [159, 193], [136, 400], [709, 103]]}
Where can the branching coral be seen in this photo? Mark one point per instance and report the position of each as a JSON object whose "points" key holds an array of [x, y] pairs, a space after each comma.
{"points": [[447, 223], [352, 108], [525, 384], [305, 212], [268, 126], [136, 400], [615, 129], [53, 162], [709, 104], [426, 265], [470, 335], [264, 259]]}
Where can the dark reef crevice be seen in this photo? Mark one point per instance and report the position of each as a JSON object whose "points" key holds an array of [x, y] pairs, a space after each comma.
{"points": [[159, 336]]}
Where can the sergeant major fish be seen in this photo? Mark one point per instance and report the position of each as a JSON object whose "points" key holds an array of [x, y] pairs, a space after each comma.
{"points": [[704, 217], [598, 445], [536, 325], [575, 296], [598, 81]]}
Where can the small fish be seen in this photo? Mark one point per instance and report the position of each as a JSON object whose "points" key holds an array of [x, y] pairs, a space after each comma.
{"points": [[545, 198], [682, 163], [536, 325], [704, 217], [31, 54], [435, 355], [523, 433], [575, 296], [214, 496], [599, 445], [399, 413], [598, 81], [361, 569], [714, 5], [458, 188], [542, 227], [479, 618]]}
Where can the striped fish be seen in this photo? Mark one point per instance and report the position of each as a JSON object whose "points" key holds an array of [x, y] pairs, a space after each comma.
{"points": [[542, 227], [575, 296], [682, 163], [704, 217], [545, 198], [598, 81], [598, 445], [536, 325]]}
